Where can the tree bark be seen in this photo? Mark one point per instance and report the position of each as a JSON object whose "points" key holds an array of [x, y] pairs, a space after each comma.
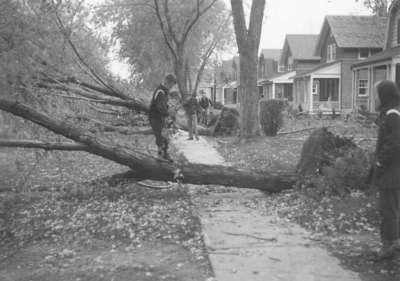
{"points": [[42, 145], [248, 41], [148, 167]]}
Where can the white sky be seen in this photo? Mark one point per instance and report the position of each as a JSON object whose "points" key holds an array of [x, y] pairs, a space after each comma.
{"points": [[301, 17]]}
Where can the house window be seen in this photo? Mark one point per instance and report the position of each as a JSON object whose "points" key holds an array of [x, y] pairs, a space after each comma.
{"points": [[331, 52], [362, 82], [315, 88], [363, 87], [281, 68], [290, 63], [363, 53]]}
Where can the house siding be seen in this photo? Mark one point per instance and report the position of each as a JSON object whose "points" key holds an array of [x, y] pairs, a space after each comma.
{"points": [[271, 68], [348, 53], [394, 29], [361, 101], [324, 48], [302, 65]]}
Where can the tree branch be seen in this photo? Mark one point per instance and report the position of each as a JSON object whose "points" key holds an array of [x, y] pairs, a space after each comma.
{"points": [[256, 20], [209, 52], [199, 13], [163, 30], [129, 103], [78, 55], [169, 24], [239, 24], [43, 145]]}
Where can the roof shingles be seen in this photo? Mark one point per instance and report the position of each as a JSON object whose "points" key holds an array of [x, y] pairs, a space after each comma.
{"points": [[358, 31], [302, 46], [271, 53]]}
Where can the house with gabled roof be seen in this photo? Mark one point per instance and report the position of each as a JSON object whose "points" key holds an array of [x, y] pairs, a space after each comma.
{"points": [[343, 41], [268, 62], [297, 56], [268, 66], [227, 78], [381, 66]]}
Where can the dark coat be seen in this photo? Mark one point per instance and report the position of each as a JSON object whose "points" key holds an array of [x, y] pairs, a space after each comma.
{"points": [[387, 170], [205, 102], [192, 106], [159, 103]]}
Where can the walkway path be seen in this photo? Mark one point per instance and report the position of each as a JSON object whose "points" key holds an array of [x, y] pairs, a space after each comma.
{"points": [[246, 245]]}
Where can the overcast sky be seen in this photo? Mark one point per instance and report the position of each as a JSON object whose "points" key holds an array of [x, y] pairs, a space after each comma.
{"points": [[289, 17], [301, 17]]}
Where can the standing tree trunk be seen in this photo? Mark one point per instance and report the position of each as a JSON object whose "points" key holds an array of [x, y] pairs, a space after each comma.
{"points": [[248, 41]]}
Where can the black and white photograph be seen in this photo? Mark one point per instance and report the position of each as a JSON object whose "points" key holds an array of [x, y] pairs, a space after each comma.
{"points": [[199, 140]]}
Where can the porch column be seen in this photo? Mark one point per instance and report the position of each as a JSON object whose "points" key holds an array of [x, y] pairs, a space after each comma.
{"points": [[311, 94], [371, 90], [393, 72], [273, 90], [353, 91], [370, 86]]}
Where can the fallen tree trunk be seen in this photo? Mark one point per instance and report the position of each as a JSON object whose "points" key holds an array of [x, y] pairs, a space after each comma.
{"points": [[147, 167], [42, 145]]}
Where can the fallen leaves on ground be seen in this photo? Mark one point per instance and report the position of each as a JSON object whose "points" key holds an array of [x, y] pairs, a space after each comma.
{"points": [[67, 199], [347, 225]]}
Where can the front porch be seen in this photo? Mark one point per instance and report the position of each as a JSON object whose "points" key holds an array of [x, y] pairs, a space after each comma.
{"points": [[319, 90], [279, 87], [365, 78], [325, 93]]}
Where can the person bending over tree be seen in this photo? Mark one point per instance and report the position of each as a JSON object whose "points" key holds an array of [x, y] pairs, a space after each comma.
{"points": [[159, 115]]}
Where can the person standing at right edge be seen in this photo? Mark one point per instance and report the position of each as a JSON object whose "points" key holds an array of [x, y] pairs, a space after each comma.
{"points": [[158, 115], [386, 175]]}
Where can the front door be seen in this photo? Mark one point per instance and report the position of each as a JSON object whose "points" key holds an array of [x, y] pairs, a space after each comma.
{"points": [[328, 89]]}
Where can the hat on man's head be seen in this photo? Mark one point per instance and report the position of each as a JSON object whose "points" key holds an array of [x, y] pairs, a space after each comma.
{"points": [[170, 79]]}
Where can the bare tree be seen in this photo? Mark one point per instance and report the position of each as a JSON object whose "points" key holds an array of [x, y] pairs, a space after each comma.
{"points": [[377, 7]]}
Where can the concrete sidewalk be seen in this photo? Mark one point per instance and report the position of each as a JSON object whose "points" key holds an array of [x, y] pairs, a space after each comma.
{"points": [[244, 244]]}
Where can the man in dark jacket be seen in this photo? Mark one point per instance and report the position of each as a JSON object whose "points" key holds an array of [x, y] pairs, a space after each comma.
{"points": [[158, 115], [192, 108], [205, 104], [386, 174]]}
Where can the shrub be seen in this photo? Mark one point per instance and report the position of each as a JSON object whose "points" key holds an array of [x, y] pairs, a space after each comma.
{"points": [[348, 172], [321, 149], [228, 123], [271, 116], [218, 105], [332, 163]]}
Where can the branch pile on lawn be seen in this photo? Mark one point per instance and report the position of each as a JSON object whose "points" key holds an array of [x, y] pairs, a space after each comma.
{"points": [[332, 162]]}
